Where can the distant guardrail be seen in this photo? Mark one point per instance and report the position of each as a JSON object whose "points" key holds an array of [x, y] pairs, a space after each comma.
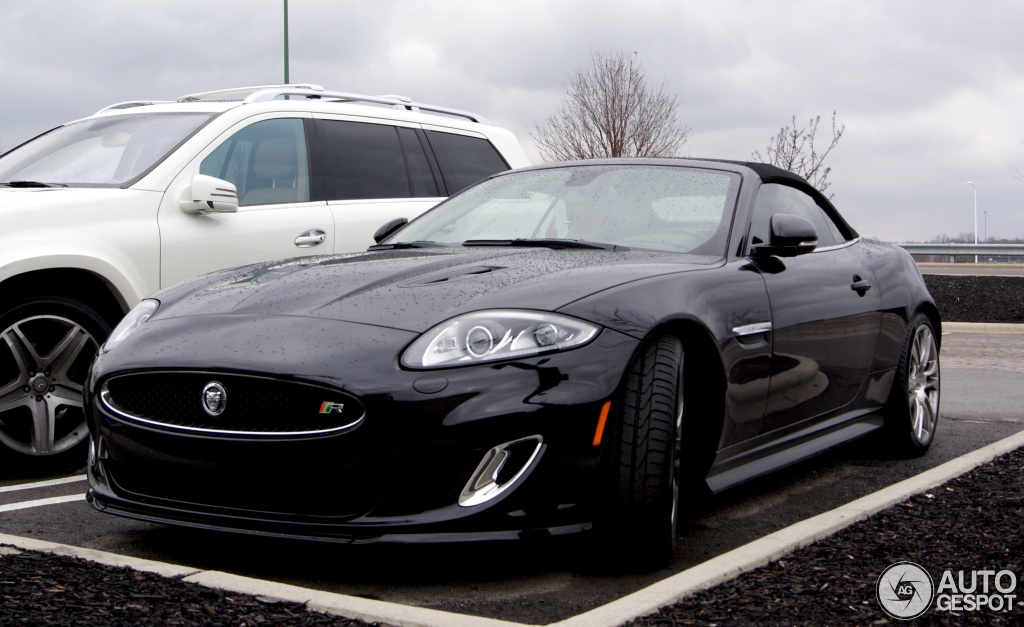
{"points": [[962, 250]]}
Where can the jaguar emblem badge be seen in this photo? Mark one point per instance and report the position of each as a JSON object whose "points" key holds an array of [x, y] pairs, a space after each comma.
{"points": [[215, 398]]}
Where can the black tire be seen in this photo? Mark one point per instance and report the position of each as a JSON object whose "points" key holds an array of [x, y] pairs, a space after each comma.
{"points": [[912, 410], [46, 345], [641, 459]]}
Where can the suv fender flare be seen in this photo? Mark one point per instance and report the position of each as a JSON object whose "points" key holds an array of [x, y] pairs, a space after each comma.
{"points": [[127, 289]]}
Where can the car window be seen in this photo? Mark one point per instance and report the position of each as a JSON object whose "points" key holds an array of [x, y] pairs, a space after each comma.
{"points": [[421, 179], [104, 151], [774, 198], [464, 160], [364, 160], [267, 161]]}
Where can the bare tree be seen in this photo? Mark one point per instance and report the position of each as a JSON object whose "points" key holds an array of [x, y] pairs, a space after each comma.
{"points": [[793, 149], [1018, 173], [610, 110]]}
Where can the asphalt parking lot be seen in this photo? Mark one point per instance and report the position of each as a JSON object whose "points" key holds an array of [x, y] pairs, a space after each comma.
{"points": [[542, 583]]}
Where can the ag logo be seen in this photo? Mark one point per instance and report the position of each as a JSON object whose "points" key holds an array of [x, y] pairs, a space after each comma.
{"points": [[215, 398], [332, 408], [905, 590]]}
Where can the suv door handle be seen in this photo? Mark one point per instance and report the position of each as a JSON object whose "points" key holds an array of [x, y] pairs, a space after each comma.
{"points": [[859, 285], [311, 238]]}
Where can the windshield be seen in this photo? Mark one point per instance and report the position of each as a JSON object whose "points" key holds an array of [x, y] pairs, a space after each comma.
{"points": [[668, 208], [106, 151]]}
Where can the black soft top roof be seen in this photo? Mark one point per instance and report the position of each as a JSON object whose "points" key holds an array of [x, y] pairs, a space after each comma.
{"points": [[766, 171]]}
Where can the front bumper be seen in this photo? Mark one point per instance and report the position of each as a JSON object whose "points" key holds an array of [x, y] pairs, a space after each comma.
{"points": [[399, 475]]}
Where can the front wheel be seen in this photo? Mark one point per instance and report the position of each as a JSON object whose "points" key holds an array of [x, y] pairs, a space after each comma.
{"points": [[641, 459], [46, 346], [912, 411]]}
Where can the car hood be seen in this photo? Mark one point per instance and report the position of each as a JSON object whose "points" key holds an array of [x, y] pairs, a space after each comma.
{"points": [[413, 290]]}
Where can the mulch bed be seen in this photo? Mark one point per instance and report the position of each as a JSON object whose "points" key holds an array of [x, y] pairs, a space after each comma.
{"points": [[44, 589], [978, 298]]}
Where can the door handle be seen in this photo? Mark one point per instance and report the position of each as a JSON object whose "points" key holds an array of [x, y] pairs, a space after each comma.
{"points": [[859, 285], [311, 238]]}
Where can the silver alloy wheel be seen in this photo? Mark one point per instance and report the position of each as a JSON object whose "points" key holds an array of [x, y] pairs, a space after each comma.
{"points": [[41, 411], [923, 385]]}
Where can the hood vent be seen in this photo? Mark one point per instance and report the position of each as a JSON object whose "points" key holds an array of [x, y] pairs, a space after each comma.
{"points": [[451, 275]]}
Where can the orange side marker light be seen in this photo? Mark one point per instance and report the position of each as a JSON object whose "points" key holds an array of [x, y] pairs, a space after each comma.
{"points": [[599, 432]]}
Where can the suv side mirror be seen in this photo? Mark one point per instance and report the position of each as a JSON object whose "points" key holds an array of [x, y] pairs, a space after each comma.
{"points": [[791, 236], [389, 227], [209, 195]]}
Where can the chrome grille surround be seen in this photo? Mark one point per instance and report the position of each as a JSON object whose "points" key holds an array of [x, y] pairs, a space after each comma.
{"points": [[259, 406]]}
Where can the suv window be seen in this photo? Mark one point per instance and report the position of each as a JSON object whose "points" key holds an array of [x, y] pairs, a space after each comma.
{"points": [[464, 160], [774, 198], [267, 161], [364, 160]]}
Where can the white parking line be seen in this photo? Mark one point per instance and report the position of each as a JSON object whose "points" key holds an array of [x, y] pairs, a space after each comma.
{"points": [[40, 502], [42, 484]]}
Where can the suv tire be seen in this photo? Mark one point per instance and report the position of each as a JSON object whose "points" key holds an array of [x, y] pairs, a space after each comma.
{"points": [[47, 342]]}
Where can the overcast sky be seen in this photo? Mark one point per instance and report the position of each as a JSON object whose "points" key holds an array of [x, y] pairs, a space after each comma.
{"points": [[930, 91]]}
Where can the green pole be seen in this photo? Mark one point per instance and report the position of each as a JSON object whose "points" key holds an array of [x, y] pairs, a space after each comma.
{"points": [[285, 42]]}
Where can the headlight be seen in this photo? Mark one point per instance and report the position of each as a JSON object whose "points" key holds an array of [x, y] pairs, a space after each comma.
{"points": [[496, 335], [139, 314]]}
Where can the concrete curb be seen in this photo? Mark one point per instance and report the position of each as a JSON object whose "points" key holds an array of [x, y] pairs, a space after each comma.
{"points": [[640, 603], [100, 557], [339, 604], [990, 328]]}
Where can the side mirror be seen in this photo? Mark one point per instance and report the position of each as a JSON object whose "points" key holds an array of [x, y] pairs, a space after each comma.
{"points": [[389, 228], [209, 195], [791, 236]]}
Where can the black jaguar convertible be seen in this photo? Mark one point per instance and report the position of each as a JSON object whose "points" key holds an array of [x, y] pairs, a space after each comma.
{"points": [[568, 347]]}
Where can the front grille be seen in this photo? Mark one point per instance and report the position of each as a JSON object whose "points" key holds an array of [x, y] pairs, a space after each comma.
{"points": [[253, 405]]}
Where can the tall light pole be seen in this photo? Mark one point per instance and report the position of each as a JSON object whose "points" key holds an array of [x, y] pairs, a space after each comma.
{"points": [[285, 42], [985, 232], [975, 216]]}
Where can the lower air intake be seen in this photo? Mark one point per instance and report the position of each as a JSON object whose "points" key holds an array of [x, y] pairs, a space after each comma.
{"points": [[500, 469]]}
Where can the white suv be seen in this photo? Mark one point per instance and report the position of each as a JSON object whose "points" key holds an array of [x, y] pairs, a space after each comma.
{"points": [[98, 213]]}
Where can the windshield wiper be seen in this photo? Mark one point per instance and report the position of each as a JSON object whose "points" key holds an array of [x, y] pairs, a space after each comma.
{"points": [[546, 242], [401, 245], [31, 184]]}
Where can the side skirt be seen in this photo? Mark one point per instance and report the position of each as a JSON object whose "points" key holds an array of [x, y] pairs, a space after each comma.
{"points": [[795, 448]]}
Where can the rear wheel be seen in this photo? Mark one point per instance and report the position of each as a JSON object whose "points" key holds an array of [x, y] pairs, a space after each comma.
{"points": [[912, 411], [641, 461], [47, 343]]}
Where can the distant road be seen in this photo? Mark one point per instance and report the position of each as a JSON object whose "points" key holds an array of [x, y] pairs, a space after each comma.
{"points": [[972, 269]]}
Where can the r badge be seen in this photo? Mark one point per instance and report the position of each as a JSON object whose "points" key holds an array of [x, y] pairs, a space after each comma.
{"points": [[215, 398]]}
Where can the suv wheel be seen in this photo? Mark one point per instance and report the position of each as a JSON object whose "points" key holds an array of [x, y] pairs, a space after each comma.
{"points": [[46, 345]]}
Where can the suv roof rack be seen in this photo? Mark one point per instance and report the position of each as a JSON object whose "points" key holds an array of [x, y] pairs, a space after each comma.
{"points": [[131, 104], [263, 93]]}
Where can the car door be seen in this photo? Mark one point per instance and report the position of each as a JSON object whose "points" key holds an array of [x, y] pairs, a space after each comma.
{"points": [[281, 211], [826, 312]]}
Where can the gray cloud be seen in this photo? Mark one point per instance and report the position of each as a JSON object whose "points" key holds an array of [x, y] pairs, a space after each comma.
{"points": [[929, 90]]}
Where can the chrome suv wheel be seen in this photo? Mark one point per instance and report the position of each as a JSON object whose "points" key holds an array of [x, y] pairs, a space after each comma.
{"points": [[46, 346]]}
